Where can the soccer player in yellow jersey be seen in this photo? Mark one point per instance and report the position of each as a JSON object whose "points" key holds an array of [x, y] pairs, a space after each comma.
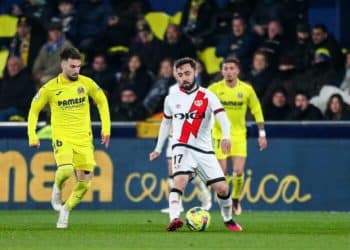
{"points": [[236, 96], [68, 97]]}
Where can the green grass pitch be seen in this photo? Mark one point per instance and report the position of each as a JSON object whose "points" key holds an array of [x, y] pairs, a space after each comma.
{"points": [[146, 230]]}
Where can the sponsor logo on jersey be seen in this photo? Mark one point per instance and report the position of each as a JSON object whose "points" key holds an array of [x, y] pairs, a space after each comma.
{"points": [[71, 102], [232, 103], [190, 115], [81, 90]]}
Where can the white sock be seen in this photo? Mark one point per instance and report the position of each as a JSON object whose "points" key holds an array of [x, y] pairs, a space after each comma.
{"points": [[225, 207], [174, 205]]}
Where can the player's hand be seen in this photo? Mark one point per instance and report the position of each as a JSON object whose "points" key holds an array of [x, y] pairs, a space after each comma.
{"points": [[154, 155], [35, 145], [105, 140], [225, 146], [262, 143]]}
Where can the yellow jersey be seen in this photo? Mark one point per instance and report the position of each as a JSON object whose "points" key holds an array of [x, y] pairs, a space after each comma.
{"points": [[236, 100], [70, 109]]}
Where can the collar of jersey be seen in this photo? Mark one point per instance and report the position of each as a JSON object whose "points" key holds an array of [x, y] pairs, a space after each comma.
{"points": [[63, 80], [188, 93], [226, 85]]}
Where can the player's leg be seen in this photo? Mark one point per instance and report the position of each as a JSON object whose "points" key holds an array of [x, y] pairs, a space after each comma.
{"points": [[63, 154], [204, 195], [238, 163], [81, 187], [209, 171], [180, 182], [84, 163], [225, 203], [182, 163]]}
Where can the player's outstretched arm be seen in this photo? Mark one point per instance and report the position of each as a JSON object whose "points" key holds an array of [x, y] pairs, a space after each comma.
{"points": [[163, 134]]}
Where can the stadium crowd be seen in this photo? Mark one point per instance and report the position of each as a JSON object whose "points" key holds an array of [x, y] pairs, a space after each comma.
{"points": [[298, 72]]}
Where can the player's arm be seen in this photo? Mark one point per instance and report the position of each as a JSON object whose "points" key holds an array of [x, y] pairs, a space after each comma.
{"points": [[100, 99], [223, 120], [163, 133], [256, 110], [38, 103]]}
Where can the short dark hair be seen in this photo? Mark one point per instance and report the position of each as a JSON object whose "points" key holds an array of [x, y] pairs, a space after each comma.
{"points": [[70, 53], [185, 60], [321, 27], [231, 59]]}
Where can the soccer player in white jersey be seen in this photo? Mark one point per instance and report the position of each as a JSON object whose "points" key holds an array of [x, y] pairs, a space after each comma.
{"points": [[188, 111], [204, 193]]}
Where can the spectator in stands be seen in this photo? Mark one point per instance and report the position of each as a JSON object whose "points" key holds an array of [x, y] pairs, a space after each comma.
{"points": [[322, 39], [202, 77], [146, 45], [24, 44], [67, 17], [175, 45], [303, 110], [321, 73], [137, 75], [16, 90], [92, 16], [37, 11], [240, 42], [260, 75], [275, 44], [47, 63], [155, 97], [284, 78], [277, 107], [345, 85], [337, 109], [129, 108], [303, 50], [198, 22]]}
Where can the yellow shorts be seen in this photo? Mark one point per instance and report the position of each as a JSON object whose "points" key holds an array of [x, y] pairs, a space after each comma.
{"points": [[238, 147], [82, 157]]}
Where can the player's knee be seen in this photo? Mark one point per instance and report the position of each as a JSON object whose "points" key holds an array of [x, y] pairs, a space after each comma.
{"points": [[221, 189]]}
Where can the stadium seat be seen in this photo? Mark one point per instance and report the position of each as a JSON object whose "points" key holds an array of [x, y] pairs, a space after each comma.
{"points": [[118, 49], [8, 25], [3, 59], [210, 60], [176, 19], [158, 22]]}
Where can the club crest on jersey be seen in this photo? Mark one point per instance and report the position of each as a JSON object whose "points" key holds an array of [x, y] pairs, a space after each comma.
{"points": [[198, 103], [81, 90], [240, 95], [178, 106]]}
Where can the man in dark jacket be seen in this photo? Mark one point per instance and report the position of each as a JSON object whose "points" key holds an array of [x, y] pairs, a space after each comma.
{"points": [[303, 110], [16, 90]]}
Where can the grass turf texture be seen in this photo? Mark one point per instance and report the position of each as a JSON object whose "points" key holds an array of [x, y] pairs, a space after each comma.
{"points": [[146, 230]]}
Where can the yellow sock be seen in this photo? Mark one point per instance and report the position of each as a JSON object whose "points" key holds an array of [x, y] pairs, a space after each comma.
{"points": [[237, 182], [62, 174], [77, 194]]}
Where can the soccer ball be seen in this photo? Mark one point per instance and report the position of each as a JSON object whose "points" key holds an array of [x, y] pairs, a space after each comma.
{"points": [[197, 219]]}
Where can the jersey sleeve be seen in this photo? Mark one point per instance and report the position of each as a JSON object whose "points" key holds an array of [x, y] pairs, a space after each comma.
{"points": [[255, 106], [167, 110], [38, 103], [97, 94]]}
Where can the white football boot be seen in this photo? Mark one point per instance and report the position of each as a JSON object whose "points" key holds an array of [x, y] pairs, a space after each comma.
{"points": [[62, 221]]}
